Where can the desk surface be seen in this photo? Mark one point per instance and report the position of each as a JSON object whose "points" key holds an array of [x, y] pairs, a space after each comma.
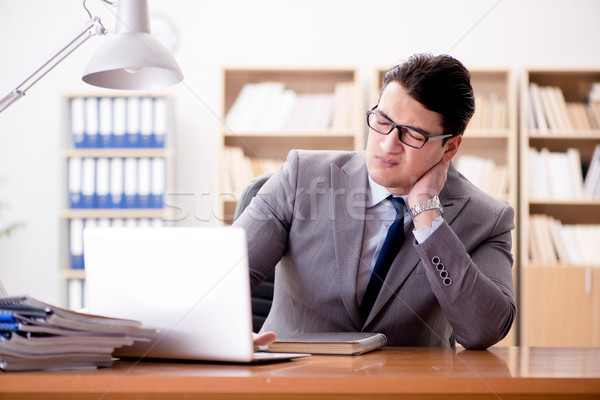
{"points": [[499, 373]]}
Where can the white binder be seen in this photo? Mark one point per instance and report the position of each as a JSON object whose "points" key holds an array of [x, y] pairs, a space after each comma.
{"points": [[105, 128], [75, 177], [78, 121], [91, 122], [116, 183], [119, 122]]}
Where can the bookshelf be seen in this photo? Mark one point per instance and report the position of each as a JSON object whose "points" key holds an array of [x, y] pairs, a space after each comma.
{"points": [[559, 207], [116, 165], [269, 111], [488, 154]]}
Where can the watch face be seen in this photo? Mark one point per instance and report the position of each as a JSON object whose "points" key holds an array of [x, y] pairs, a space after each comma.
{"points": [[164, 31]]}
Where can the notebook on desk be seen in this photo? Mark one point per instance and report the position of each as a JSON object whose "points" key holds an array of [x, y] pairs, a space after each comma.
{"points": [[192, 284]]}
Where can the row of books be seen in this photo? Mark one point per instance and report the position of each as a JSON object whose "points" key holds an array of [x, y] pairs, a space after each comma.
{"points": [[485, 174], [38, 336], [549, 112], [116, 182], [241, 169], [77, 225], [491, 112], [269, 107], [554, 243], [119, 122], [559, 175]]}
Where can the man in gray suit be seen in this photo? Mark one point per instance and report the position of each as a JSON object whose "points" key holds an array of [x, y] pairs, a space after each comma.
{"points": [[325, 214]]}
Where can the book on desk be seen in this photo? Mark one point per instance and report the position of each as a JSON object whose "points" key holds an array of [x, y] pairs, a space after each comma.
{"points": [[338, 343]]}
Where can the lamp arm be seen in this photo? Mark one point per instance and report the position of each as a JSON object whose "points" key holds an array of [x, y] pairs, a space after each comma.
{"points": [[93, 27]]}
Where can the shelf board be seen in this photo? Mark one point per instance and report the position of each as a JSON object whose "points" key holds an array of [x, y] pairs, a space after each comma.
{"points": [[114, 213], [72, 273], [487, 133], [568, 266], [592, 134], [567, 203], [117, 153], [295, 134]]}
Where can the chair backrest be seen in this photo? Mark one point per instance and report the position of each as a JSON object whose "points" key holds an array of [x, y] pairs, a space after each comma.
{"points": [[249, 192], [262, 296]]}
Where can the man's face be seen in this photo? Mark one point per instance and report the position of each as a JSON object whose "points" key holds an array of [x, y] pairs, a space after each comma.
{"points": [[390, 162]]}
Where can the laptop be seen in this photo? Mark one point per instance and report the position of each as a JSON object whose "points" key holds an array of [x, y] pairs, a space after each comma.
{"points": [[192, 284]]}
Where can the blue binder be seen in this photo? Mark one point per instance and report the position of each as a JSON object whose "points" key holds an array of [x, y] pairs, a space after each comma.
{"points": [[133, 122], [119, 136], [130, 183], [146, 122], [105, 123], [91, 122], [88, 183], [75, 178], [77, 110], [116, 197], [102, 183], [76, 226]]}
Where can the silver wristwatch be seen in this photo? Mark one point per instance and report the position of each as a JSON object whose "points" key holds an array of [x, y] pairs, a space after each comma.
{"points": [[429, 204]]}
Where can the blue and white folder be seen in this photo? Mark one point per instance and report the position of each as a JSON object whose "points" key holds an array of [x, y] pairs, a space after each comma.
{"points": [[161, 121], [91, 122], [78, 121], [158, 183], [116, 198], [76, 243], [102, 183], [130, 183], [143, 182], [119, 139], [75, 179], [146, 122], [133, 122], [105, 128], [88, 183]]}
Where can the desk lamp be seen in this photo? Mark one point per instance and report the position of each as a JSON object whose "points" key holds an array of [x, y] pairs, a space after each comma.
{"points": [[132, 59]]}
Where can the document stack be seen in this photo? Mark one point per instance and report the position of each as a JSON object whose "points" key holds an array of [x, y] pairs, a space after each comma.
{"points": [[37, 336]]}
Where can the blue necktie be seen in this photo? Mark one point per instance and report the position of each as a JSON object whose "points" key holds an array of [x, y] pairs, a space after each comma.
{"points": [[391, 245]]}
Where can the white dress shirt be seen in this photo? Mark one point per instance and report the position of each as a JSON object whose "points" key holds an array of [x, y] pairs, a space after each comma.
{"points": [[380, 214]]}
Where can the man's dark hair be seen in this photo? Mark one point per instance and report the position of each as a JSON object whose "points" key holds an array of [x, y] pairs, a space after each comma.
{"points": [[441, 84]]}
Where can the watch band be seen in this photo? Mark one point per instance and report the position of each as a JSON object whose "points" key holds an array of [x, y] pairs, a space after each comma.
{"points": [[429, 204]]}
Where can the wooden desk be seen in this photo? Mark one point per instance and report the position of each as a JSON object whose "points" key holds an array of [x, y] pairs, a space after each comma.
{"points": [[411, 373]]}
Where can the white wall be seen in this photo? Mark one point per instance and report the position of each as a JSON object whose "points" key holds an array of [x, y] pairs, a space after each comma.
{"points": [[214, 33]]}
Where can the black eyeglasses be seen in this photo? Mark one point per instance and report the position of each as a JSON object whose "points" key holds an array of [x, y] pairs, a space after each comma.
{"points": [[412, 137]]}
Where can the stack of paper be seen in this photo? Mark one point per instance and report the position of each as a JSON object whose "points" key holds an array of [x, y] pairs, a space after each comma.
{"points": [[37, 336]]}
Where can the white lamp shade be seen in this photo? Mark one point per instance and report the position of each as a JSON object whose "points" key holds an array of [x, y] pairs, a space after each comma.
{"points": [[133, 61]]}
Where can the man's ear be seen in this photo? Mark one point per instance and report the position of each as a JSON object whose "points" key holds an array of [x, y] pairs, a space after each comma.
{"points": [[451, 147]]}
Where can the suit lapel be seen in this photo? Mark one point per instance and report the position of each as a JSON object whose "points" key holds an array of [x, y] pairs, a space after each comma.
{"points": [[405, 264], [348, 202]]}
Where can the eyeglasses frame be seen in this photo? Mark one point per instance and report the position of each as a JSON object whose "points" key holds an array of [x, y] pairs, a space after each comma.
{"points": [[421, 132]]}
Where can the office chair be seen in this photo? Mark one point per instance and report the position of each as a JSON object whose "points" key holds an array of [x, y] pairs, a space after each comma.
{"points": [[262, 296]]}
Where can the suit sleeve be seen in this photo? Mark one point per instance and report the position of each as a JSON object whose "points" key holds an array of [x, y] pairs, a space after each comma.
{"points": [[474, 287], [267, 220]]}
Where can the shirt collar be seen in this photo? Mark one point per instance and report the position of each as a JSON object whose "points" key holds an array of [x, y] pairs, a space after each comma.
{"points": [[378, 193]]}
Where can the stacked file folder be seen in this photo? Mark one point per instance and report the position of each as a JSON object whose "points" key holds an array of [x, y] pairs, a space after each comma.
{"points": [[37, 336]]}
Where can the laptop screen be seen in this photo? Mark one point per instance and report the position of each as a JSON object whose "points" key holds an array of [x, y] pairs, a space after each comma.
{"points": [[190, 283]]}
